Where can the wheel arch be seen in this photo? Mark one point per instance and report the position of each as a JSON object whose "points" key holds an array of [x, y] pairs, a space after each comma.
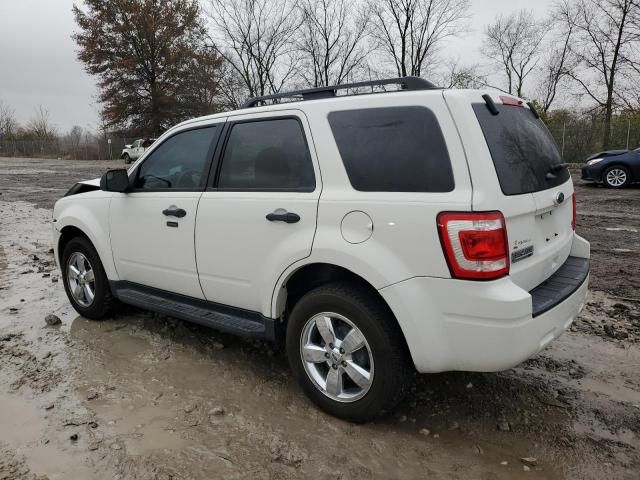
{"points": [[66, 235], [617, 163], [309, 276], [88, 219]]}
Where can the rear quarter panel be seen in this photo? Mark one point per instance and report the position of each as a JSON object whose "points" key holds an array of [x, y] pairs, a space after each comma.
{"points": [[404, 240]]}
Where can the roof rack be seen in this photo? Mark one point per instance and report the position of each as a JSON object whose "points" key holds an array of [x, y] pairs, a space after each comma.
{"points": [[406, 83]]}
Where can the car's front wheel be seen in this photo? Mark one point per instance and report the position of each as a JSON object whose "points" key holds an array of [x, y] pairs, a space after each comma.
{"points": [[126, 158], [617, 177], [347, 352], [85, 280]]}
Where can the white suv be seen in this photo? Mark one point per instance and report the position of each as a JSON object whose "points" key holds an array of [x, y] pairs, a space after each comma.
{"points": [[371, 233]]}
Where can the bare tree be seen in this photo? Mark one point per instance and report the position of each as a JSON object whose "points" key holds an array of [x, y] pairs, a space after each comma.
{"points": [[607, 33], [409, 32], [8, 122], [513, 42], [40, 126], [462, 76], [74, 137], [631, 76], [233, 91], [559, 61], [331, 41], [256, 37]]}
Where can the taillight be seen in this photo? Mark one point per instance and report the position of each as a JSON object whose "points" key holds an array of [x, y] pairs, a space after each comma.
{"points": [[573, 218], [475, 244]]}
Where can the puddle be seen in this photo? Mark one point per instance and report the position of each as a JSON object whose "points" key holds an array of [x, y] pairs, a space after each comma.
{"points": [[23, 431]]}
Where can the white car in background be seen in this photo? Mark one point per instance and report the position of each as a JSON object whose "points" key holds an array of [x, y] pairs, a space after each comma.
{"points": [[133, 151], [423, 229]]}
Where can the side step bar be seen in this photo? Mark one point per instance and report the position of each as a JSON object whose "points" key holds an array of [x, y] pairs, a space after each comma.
{"points": [[237, 321]]}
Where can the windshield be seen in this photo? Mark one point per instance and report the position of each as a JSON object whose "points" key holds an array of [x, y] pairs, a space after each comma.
{"points": [[524, 153]]}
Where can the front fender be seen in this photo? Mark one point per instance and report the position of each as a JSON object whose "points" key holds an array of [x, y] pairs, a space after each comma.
{"points": [[90, 215]]}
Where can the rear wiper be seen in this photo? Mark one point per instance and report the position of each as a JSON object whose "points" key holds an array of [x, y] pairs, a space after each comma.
{"points": [[558, 167], [553, 169]]}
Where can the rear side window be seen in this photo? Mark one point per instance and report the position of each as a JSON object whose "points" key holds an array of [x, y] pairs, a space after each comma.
{"points": [[398, 149], [267, 155], [524, 153]]}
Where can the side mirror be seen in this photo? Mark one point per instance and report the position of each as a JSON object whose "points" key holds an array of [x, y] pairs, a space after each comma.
{"points": [[115, 181]]}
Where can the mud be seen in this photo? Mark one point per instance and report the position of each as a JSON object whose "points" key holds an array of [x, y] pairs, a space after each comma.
{"points": [[141, 396]]}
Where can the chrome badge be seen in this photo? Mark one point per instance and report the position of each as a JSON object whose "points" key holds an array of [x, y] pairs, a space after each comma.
{"points": [[558, 198], [522, 254]]}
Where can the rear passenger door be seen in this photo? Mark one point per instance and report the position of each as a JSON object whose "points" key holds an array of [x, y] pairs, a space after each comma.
{"points": [[258, 214]]}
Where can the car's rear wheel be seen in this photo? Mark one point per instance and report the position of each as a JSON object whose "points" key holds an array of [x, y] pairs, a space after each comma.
{"points": [[126, 158], [347, 352], [85, 280], [617, 177]]}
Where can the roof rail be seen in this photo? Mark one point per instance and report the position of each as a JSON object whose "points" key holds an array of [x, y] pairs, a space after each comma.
{"points": [[406, 83]]}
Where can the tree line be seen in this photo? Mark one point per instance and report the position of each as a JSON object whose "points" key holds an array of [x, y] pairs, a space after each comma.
{"points": [[157, 63]]}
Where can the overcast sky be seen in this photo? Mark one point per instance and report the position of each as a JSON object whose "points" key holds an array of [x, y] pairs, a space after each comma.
{"points": [[38, 64]]}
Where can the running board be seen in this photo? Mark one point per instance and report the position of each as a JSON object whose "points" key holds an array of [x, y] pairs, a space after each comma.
{"points": [[233, 320]]}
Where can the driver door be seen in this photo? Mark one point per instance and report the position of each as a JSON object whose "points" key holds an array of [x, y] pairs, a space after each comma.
{"points": [[152, 227]]}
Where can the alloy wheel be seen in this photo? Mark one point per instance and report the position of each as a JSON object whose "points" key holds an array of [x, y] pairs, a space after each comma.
{"points": [[337, 357], [81, 279], [616, 177]]}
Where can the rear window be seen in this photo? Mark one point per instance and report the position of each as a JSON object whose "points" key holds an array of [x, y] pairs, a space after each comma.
{"points": [[523, 151], [398, 149]]}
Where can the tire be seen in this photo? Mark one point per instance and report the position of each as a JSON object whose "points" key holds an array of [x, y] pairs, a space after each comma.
{"points": [[616, 176], [383, 356], [78, 251], [126, 158]]}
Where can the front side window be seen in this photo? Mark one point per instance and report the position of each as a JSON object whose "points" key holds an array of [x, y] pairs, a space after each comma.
{"points": [[267, 155], [179, 163], [394, 149]]}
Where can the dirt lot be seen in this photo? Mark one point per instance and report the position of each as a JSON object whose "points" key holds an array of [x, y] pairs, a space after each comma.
{"points": [[142, 396]]}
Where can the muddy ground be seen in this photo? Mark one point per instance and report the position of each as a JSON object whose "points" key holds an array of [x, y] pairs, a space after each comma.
{"points": [[147, 397]]}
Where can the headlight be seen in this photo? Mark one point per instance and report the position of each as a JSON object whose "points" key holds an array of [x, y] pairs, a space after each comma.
{"points": [[594, 161]]}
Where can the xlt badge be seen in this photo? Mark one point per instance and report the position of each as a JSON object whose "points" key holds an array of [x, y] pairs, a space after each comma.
{"points": [[521, 254]]}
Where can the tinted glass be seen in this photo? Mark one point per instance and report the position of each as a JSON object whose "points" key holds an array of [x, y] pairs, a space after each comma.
{"points": [[267, 155], [179, 163], [399, 149], [524, 153]]}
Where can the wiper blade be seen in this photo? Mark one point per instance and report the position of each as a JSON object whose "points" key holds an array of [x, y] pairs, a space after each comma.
{"points": [[553, 169], [558, 167]]}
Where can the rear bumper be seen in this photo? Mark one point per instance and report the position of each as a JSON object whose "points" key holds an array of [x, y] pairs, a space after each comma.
{"points": [[480, 326]]}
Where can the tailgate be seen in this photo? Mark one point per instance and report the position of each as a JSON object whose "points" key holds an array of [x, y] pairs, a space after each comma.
{"points": [[516, 168]]}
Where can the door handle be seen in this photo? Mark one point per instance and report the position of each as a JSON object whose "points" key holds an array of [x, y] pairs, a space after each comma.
{"points": [[174, 211], [281, 215]]}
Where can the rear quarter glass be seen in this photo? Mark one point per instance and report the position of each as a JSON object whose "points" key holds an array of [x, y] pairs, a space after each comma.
{"points": [[522, 149], [393, 149]]}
